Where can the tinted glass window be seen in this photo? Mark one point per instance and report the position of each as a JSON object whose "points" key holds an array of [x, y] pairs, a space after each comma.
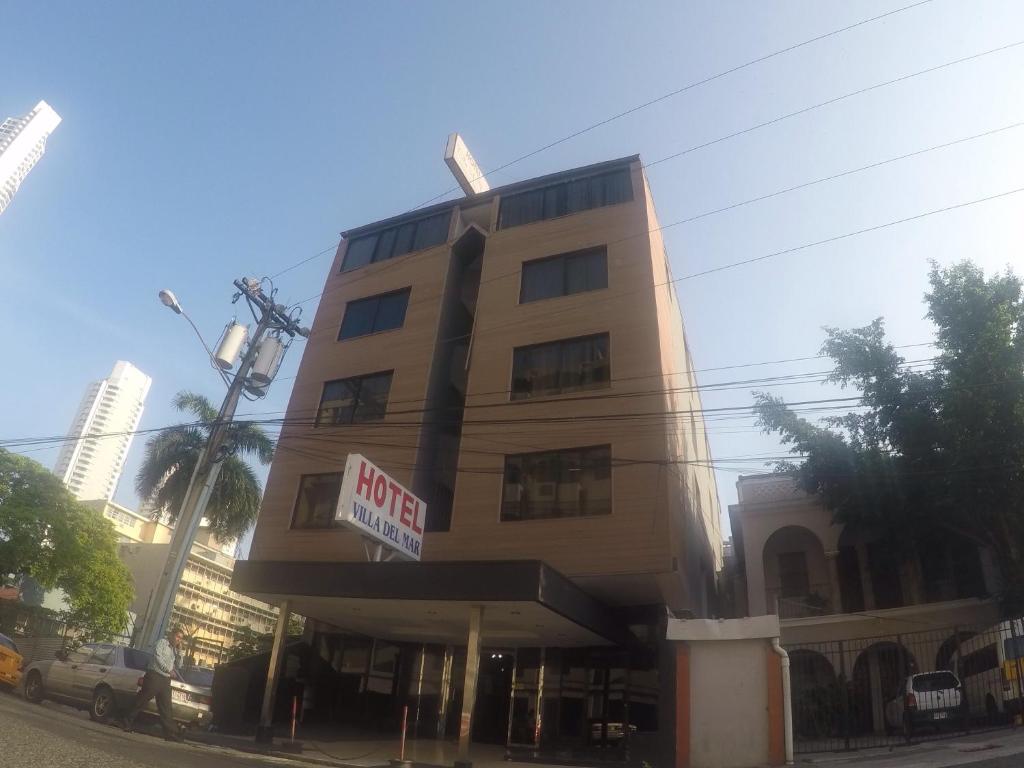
{"points": [[6, 642], [397, 241], [80, 656], [566, 197], [936, 681], [376, 313], [564, 274], [981, 660], [317, 500], [104, 656], [360, 398], [569, 483], [569, 365], [360, 252], [136, 659]]}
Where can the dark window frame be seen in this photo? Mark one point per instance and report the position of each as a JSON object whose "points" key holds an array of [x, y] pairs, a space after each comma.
{"points": [[565, 259], [390, 235], [559, 195], [536, 456], [361, 378], [377, 298], [562, 343], [332, 524]]}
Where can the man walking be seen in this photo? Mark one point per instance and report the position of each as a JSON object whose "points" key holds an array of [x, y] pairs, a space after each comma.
{"points": [[157, 683]]}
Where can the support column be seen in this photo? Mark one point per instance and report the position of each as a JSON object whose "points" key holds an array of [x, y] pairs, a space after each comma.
{"points": [[265, 730], [476, 620], [865, 576], [832, 561], [877, 702]]}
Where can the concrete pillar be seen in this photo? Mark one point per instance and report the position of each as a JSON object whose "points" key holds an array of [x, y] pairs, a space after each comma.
{"points": [[990, 571], [865, 576], [476, 620], [877, 702], [265, 730], [832, 561]]}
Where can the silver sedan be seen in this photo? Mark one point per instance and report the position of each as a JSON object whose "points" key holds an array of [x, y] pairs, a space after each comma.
{"points": [[104, 679]]}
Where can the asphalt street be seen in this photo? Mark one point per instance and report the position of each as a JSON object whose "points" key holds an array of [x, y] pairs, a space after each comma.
{"points": [[50, 735]]}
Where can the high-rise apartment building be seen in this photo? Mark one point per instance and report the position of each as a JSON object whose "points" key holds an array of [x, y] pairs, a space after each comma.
{"points": [[22, 143], [517, 359], [93, 456]]}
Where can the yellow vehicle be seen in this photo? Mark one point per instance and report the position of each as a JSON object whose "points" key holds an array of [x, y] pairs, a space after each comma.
{"points": [[10, 662], [990, 666]]}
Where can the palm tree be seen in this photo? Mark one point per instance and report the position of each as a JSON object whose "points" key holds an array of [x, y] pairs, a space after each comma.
{"points": [[171, 457]]}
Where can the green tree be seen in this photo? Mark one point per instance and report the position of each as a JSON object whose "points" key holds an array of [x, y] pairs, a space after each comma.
{"points": [[171, 457], [931, 452], [46, 534], [249, 642]]}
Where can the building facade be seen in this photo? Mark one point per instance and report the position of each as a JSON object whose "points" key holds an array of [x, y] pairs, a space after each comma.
{"points": [[516, 358], [22, 143], [857, 611], [93, 456], [205, 606]]}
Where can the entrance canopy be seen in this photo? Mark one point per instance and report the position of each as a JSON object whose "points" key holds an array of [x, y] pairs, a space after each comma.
{"points": [[526, 602]]}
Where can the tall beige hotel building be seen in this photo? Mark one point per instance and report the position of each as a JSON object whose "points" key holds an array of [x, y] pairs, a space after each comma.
{"points": [[517, 359]]}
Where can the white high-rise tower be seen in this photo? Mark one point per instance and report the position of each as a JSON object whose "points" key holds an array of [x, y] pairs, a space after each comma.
{"points": [[22, 143], [90, 466]]}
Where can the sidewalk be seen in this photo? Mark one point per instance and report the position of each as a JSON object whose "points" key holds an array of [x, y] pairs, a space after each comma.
{"points": [[931, 754]]}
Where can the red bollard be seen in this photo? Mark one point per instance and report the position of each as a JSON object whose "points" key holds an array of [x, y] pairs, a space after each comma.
{"points": [[295, 710], [405, 720]]}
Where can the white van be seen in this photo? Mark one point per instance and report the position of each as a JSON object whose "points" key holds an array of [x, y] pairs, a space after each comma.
{"points": [[989, 667]]}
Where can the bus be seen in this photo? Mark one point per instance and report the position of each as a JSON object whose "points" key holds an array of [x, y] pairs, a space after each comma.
{"points": [[989, 666]]}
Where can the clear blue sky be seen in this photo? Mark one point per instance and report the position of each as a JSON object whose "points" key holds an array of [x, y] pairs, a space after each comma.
{"points": [[203, 141]]}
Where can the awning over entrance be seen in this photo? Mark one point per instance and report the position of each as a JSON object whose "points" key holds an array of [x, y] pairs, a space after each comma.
{"points": [[526, 602]]}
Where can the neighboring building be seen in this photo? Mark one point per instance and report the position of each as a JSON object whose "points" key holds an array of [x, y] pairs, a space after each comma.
{"points": [[22, 143], [204, 605], [518, 360], [94, 453], [853, 606]]}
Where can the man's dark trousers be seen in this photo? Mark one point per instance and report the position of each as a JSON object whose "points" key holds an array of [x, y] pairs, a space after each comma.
{"points": [[154, 685]]}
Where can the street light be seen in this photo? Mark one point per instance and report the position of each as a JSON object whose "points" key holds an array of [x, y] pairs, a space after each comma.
{"points": [[170, 300], [271, 318]]}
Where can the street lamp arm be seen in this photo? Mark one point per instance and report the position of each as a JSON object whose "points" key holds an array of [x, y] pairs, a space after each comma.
{"points": [[209, 352]]}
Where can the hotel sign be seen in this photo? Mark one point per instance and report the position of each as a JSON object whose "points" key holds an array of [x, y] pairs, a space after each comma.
{"points": [[372, 503]]}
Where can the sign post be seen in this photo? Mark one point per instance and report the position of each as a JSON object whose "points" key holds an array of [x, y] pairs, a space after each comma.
{"points": [[384, 511]]}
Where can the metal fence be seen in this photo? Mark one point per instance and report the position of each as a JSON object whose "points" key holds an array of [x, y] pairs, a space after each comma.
{"points": [[851, 694]]}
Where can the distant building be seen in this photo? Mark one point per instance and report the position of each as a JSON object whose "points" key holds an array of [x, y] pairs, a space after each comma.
{"points": [[205, 606], [93, 456], [22, 143]]}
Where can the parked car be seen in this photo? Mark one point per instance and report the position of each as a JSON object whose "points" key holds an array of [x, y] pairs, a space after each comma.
{"points": [[928, 699], [10, 662], [104, 679]]}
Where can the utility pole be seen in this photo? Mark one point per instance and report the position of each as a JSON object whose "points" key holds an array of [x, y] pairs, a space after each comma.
{"points": [[269, 317]]}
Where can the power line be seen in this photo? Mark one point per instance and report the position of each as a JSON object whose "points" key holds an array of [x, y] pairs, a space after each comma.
{"points": [[678, 91], [834, 100], [651, 102], [696, 217]]}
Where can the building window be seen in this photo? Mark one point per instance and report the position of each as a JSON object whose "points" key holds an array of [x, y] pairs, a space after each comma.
{"points": [[565, 197], [564, 274], [569, 365], [376, 313], [354, 400], [396, 241], [317, 500], [569, 483]]}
